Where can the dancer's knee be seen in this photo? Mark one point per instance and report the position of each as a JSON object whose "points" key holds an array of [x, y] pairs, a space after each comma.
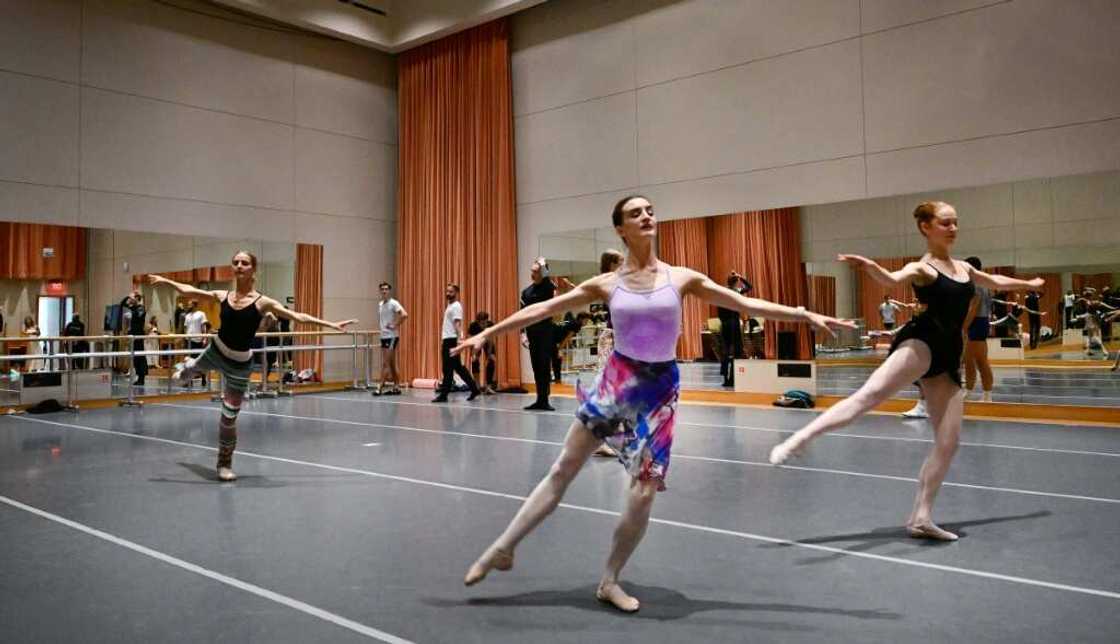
{"points": [[564, 470], [643, 492]]}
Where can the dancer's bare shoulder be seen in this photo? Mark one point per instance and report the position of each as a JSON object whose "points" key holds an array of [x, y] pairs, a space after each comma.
{"points": [[598, 287]]}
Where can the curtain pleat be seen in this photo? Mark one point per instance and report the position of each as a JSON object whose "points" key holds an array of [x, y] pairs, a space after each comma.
{"points": [[309, 300], [822, 294], [456, 215], [684, 242], [871, 293], [22, 257], [764, 246]]}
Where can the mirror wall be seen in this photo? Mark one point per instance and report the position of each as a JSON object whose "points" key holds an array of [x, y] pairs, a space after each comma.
{"points": [[58, 275], [1064, 229]]}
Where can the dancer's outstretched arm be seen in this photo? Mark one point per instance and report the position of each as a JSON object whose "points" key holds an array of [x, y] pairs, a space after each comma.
{"points": [[269, 305], [903, 276], [1003, 282], [186, 289], [703, 287], [589, 291]]}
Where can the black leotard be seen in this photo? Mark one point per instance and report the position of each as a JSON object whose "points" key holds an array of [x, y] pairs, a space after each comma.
{"points": [[940, 326], [239, 326]]}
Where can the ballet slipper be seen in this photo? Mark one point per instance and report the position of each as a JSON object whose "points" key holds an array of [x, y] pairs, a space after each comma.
{"points": [[785, 451], [226, 475], [929, 531], [614, 595], [499, 560]]}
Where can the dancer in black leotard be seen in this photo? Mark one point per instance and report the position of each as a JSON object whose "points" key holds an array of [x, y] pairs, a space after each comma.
{"points": [[242, 310], [928, 348]]}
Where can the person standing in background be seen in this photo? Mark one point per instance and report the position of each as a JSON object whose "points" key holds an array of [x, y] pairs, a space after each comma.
{"points": [[134, 318], [541, 336], [1034, 317], [390, 316], [194, 323], [731, 332], [452, 335]]}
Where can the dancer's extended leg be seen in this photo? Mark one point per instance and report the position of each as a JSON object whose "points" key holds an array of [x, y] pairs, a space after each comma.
{"points": [[578, 446], [906, 364]]}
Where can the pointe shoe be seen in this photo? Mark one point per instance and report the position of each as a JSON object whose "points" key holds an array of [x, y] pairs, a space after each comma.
{"points": [[785, 451], [501, 560], [226, 474], [929, 531], [615, 596]]}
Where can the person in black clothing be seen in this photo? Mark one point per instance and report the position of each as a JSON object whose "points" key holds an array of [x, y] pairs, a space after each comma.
{"points": [[242, 310], [541, 336], [484, 364], [135, 315], [927, 348], [731, 331], [77, 328], [1034, 318], [564, 330]]}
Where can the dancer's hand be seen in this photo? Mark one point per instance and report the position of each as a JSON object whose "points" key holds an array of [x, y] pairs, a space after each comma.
{"points": [[474, 343], [154, 279], [341, 326], [825, 324], [855, 261], [1036, 282]]}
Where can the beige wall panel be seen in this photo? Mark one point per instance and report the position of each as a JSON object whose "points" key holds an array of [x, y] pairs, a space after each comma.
{"points": [[566, 52], [1006, 68], [576, 150], [147, 147], [1075, 149], [684, 38], [346, 89], [343, 175], [41, 37], [38, 130], [157, 51], [38, 204], [792, 109]]}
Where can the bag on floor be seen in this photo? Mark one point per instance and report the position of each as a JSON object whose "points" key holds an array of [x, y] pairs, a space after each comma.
{"points": [[795, 399], [48, 406]]}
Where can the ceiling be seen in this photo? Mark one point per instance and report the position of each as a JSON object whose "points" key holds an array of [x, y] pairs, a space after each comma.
{"points": [[386, 25]]}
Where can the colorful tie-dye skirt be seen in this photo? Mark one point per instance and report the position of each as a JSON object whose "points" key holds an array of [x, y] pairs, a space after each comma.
{"points": [[632, 405]]}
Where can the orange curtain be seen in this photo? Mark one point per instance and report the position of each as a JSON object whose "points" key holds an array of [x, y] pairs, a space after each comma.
{"points": [[21, 251], [309, 300], [1097, 281], [456, 216], [871, 293], [765, 246], [822, 294], [684, 242]]}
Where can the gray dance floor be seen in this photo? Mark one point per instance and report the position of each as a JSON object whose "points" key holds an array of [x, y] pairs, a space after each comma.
{"points": [[355, 519]]}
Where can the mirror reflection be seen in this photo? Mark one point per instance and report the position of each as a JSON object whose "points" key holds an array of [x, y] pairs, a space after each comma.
{"points": [[1052, 346], [63, 281]]}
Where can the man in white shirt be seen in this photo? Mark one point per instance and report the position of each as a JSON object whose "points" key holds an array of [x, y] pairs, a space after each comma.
{"points": [[887, 311], [391, 315], [453, 335], [193, 323]]}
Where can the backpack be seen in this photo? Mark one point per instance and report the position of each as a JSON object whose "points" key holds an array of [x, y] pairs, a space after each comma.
{"points": [[796, 399]]}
